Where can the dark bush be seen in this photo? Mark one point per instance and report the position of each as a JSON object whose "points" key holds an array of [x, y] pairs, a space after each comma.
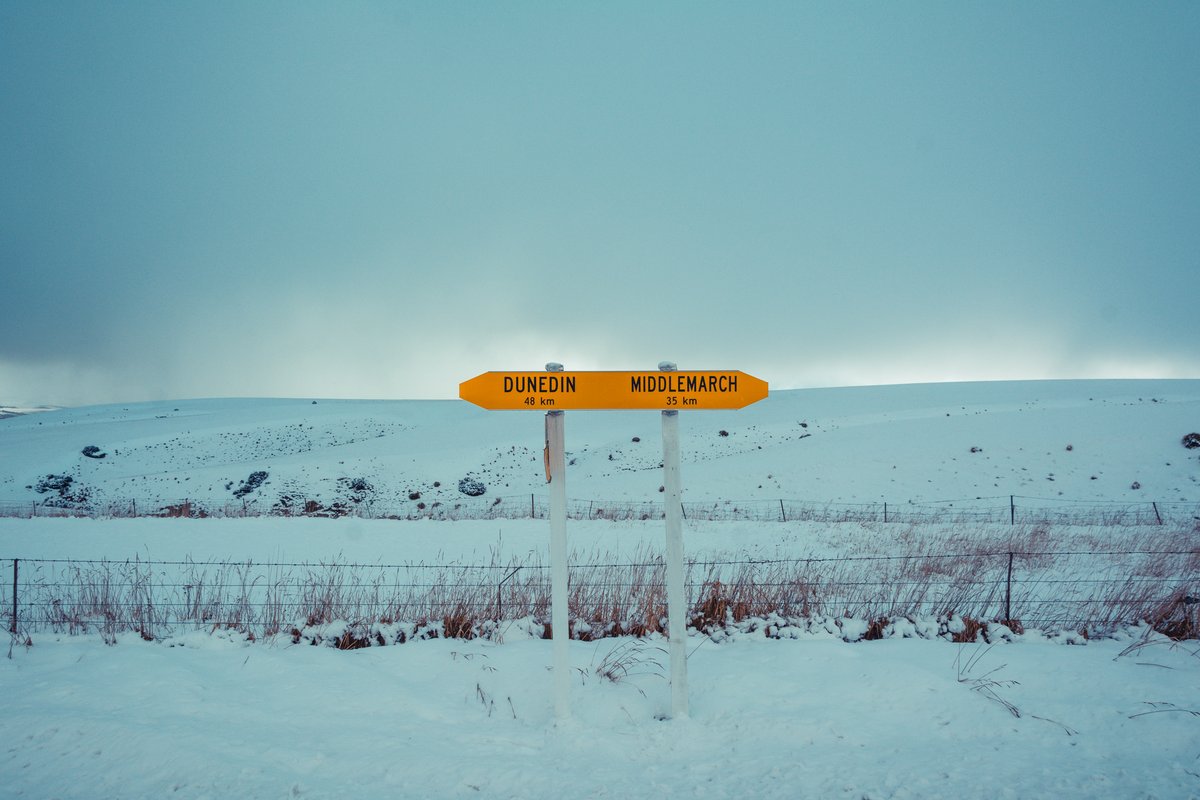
{"points": [[255, 480], [91, 451], [1191, 441]]}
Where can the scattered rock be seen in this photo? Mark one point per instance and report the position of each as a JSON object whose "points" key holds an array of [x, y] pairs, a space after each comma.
{"points": [[55, 483], [356, 485], [69, 494], [91, 451]]}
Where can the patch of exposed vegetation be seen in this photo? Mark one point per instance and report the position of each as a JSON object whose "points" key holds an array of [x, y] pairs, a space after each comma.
{"points": [[251, 483]]}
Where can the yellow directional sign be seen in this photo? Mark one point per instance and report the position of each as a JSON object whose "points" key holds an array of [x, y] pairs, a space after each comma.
{"points": [[565, 391]]}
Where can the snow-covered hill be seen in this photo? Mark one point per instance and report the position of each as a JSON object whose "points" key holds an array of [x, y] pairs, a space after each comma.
{"points": [[902, 717], [1080, 440]]}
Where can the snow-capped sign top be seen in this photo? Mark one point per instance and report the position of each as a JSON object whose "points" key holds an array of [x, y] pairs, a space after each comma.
{"points": [[560, 391]]}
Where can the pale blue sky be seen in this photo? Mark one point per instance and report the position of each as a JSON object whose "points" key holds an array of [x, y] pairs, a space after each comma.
{"points": [[384, 199]]}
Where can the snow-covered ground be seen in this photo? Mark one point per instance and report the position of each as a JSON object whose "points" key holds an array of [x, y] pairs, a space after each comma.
{"points": [[208, 717], [1089, 440], [208, 714]]}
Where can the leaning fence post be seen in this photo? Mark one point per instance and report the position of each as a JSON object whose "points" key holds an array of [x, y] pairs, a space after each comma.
{"points": [[1156, 514], [1008, 593], [16, 561], [499, 601], [782, 513]]}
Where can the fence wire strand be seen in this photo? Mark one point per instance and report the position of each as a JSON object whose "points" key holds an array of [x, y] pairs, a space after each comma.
{"points": [[1072, 588], [1012, 509]]}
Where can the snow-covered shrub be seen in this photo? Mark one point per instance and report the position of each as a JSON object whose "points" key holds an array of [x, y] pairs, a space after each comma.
{"points": [[472, 487], [251, 483]]}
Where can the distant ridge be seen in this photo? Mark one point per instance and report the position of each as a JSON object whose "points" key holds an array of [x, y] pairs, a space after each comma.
{"points": [[18, 411]]}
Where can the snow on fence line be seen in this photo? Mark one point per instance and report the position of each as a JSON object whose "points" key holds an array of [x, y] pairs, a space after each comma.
{"points": [[354, 605], [1012, 509]]}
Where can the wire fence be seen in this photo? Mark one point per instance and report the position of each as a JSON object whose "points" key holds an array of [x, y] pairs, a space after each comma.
{"points": [[351, 605], [1005, 509]]}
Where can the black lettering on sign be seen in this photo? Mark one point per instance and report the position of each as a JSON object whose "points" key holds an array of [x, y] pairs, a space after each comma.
{"points": [[539, 384], [682, 384]]}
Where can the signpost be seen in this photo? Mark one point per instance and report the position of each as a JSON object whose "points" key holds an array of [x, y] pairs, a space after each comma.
{"points": [[560, 623], [673, 515], [570, 391], [668, 390]]}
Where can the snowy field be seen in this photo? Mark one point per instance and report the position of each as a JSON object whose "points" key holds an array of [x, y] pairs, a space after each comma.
{"points": [[208, 714], [1057, 440], [210, 717]]}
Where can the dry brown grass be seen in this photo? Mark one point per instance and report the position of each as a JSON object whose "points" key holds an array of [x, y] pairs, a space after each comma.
{"points": [[938, 575]]}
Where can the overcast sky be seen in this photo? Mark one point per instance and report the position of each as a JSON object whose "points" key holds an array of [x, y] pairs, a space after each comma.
{"points": [[380, 200]]}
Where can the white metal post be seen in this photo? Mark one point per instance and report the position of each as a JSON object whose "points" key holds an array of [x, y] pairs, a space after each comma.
{"points": [[673, 512], [559, 622]]}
